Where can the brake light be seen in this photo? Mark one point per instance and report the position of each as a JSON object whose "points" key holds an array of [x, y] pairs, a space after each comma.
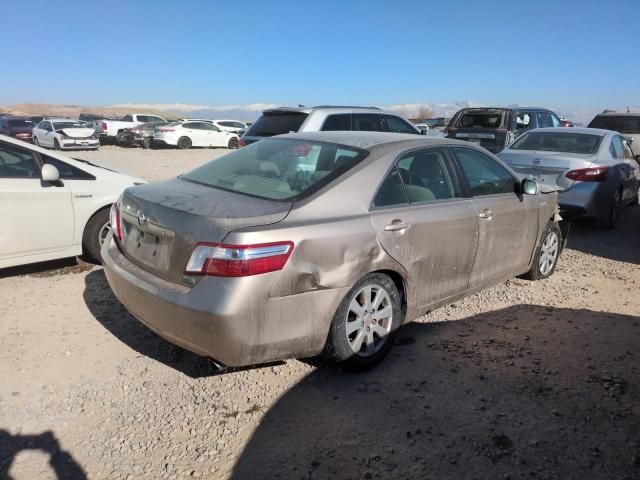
{"points": [[103, 126], [167, 129], [242, 142], [222, 260], [116, 221], [593, 174]]}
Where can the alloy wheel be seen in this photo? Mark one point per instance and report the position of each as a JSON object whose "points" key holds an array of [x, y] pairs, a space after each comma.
{"points": [[549, 253], [369, 320], [102, 233]]}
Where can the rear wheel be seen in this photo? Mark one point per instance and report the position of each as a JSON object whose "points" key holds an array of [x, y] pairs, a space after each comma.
{"points": [[36, 142], [94, 235], [56, 144], [547, 253], [364, 326], [233, 143], [608, 222], [184, 143], [146, 142]]}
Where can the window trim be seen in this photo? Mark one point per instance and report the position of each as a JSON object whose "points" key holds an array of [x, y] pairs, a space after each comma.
{"points": [[465, 182], [453, 170], [36, 159], [326, 119]]}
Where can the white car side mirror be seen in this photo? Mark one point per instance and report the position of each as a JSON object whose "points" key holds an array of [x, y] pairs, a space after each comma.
{"points": [[50, 173]]}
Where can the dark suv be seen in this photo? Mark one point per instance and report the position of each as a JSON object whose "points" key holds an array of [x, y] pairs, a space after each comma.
{"points": [[276, 121], [495, 128], [628, 124], [17, 127]]}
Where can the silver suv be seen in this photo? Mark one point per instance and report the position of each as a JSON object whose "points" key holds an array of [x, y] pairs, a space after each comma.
{"points": [[277, 121]]}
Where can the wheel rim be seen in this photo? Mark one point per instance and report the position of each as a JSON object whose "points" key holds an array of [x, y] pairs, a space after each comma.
{"points": [[369, 320], [102, 233], [549, 253], [233, 143], [183, 143]]}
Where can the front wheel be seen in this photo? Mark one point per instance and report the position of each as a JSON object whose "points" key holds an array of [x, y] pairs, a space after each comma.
{"points": [[146, 143], [608, 221], [233, 143], [36, 142], [547, 253], [94, 235], [184, 143], [364, 326], [56, 144]]}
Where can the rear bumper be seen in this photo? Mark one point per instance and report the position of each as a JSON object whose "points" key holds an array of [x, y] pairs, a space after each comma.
{"points": [[232, 320], [590, 199]]}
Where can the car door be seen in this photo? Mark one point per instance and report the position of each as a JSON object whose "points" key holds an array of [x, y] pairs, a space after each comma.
{"points": [[48, 135], [634, 170], [424, 223], [507, 221], [37, 217], [214, 136], [192, 130]]}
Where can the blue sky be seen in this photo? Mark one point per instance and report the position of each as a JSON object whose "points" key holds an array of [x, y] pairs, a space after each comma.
{"points": [[573, 55]]}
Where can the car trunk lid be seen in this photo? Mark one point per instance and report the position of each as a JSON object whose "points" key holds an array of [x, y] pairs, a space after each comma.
{"points": [[164, 221]]}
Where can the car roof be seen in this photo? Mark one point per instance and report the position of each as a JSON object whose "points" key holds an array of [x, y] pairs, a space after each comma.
{"points": [[512, 109], [320, 107], [59, 119], [618, 114], [367, 140], [582, 130]]}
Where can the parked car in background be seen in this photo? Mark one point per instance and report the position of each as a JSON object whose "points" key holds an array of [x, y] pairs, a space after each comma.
{"points": [[323, 242], [16, 127], [565, 122], [233, 126], [52, 206], [141, 135], [276, 121], [90, 117], [65, 134], [628, 124], [594, 169], [194, 134], [109, 129], [495, 128]]}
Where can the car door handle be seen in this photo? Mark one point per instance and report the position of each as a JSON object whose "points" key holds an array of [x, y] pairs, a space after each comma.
{"points": [[486, 213], [396, 227]]}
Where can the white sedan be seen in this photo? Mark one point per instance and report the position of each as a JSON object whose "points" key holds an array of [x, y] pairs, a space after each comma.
{"points": [[52, 206], [65, 134], [233, 126], [187, 134]]}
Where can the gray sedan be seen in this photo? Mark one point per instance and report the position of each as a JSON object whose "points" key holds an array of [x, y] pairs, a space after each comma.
{"points": [[323, 243], [594, 169]]}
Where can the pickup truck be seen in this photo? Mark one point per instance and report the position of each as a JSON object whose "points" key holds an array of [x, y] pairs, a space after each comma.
{"points": [[109, 129]]}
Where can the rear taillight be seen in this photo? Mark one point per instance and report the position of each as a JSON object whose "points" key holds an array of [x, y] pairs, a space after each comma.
{"points": [[116, 221], [103, 126], [222, 260], [242, 142], [166, 129], [593, 174]]}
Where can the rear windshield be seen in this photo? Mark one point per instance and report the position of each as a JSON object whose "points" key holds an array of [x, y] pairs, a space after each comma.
{"points": [[480, 120], [617, 123], [17, 123], [558, 142], [277, 168], [271, 124]]}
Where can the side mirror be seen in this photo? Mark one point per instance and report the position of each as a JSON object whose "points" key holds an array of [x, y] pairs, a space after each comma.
{"points": [[629, 140], [50, 173], [423, 131], [529, 187]]}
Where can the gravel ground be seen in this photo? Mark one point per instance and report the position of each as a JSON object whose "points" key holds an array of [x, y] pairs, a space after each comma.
{"points": [[523, 380]]}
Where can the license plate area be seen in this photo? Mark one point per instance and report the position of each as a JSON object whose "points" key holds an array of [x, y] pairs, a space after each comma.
{"points": [[150, 246], [475, 141]]}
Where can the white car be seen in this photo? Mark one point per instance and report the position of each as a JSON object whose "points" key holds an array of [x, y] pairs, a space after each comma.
{"points": [[233, 126], [187, 134], [52, 206], [65, 134]]}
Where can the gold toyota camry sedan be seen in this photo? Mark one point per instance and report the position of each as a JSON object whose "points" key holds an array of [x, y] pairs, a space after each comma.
{"points": [[323, 243]]}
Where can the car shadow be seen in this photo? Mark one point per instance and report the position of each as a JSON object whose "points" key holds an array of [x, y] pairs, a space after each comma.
{"points": [[50, 268], [621, 244], [107, 310], [62, 463], [524, 392]]}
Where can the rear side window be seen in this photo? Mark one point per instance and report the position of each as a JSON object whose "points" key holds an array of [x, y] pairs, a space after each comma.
{"points": [[127, 118], [484, 175], [616, 147], [397, 125], [391, 191], [481, 119], [271, 124], [427, 176], [339, 122], [17, 163], [67, 172], [367, 122]]}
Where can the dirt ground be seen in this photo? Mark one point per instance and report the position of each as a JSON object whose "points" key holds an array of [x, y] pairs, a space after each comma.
{"points": [[524, 380]]}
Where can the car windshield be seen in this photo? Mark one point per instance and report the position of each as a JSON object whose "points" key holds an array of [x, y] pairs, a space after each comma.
{"points": [[485, 119], [558, 142], [277, 169], [271, 124], [617, 123], [61, 125], [18, 122]]}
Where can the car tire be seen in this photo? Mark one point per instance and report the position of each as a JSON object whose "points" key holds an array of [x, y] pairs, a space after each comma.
{"points": [[94, 234], [608, 222], [547, 253], [146, 143], [233, 143], [36, 142], [355, 326], [184, 143], [56, 144]]}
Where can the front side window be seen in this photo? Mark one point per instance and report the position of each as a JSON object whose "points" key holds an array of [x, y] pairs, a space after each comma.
{"points": [[545, 120], [397, 125], [524, 121], [17, 163], [366, 122], [427, 176], [278, 168], [484, 175], [339, 122], [568, 142], [391, 191]]}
